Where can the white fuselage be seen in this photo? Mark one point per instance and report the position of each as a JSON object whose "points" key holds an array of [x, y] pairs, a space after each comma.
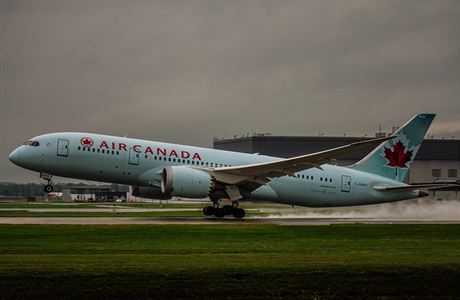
{"points": [[140, 162]]}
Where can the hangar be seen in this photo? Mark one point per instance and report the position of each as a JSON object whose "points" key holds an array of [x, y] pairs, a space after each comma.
{"points": [[437, 159]]}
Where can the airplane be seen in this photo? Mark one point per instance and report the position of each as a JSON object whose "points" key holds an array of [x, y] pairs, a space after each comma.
{"points": [[159, 170]]}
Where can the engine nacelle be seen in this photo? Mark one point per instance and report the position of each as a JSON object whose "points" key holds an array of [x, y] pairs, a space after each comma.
{"points": [[182, 181], [148, 192]]}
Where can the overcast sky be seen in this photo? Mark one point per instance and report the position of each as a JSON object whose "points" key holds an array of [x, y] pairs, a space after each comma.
{"points": [[185, 71]]}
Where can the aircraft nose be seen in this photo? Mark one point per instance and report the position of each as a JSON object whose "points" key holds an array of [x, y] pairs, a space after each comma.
{"points": [[15, 156]]}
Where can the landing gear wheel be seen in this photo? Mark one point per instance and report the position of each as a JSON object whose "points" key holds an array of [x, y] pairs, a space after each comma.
{"points": [[208, 210], [228, 209], [239, 213], [48, 188], [219, 212]]}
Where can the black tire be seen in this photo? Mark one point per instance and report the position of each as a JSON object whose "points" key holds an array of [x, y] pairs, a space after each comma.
{"points": [[219, 212], [228, 209], [239, 213], [48, 188], [208, 211]]}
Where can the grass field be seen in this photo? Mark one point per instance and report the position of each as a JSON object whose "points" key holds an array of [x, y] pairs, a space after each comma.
{"points": [[164, 204], [118, 213], [99, 205], [228, 261], [56, 209]]}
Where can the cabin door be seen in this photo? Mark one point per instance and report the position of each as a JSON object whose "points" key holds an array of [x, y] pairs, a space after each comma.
{"points": [[63, 148], [346, 183], [133, 157]]}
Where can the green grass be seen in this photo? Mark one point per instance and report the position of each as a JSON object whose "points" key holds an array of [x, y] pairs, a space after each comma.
{"points": [[119, 214], [45, 205], [206, 261], [164, 204], [177, 214], [26, 205]]}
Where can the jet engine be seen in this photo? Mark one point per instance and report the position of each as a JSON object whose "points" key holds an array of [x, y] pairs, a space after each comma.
{"points": [[148, 192], [182, 181]]}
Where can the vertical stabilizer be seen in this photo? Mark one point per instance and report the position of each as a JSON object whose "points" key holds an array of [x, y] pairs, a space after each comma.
{"points": [[393, 158]]}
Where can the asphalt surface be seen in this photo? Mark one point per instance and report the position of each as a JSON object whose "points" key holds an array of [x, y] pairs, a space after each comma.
{"points": [[413, 212]]}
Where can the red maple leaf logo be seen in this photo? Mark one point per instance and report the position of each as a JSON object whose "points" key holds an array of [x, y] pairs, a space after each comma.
{"points": [[86, 142], [398, 157]]}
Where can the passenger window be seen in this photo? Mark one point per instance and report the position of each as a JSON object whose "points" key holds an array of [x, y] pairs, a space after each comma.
{"points": [[103, 151], [98, 150], [146, 156], [78, 147], [94, 150]]}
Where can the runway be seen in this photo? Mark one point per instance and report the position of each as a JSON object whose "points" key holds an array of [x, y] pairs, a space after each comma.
{"points": [[409, 212], [211, 221]]}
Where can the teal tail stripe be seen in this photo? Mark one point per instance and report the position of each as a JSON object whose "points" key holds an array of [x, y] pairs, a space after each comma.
{"points": [[393, 158]]}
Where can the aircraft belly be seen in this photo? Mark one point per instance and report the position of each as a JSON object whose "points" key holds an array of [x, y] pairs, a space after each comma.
{"points": [[328, 195]]}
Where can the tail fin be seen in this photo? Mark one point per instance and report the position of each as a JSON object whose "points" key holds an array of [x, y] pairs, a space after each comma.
{"points": [[393, 158]]}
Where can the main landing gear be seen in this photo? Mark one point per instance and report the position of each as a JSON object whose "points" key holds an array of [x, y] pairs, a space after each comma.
{"points": [[48, 177], [225, 210]]}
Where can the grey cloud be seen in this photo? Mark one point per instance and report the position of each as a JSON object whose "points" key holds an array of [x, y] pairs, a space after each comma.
{"points": [[185, 71]]}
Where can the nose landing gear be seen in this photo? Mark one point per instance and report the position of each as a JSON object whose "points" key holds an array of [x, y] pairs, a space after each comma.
{"points": [[48, 188], [48, 177]]}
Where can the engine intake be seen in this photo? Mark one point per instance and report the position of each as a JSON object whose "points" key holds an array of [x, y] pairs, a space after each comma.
{"points": [[182, 181]]}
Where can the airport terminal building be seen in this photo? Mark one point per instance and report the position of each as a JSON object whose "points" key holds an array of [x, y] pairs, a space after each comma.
{"points": [[437, 159]]}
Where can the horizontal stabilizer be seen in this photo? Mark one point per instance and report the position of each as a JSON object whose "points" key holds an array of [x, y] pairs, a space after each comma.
{"points": [[413, 187]]}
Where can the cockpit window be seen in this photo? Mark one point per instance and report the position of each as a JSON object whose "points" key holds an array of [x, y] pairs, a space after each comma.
{"points": [[32, 143]]}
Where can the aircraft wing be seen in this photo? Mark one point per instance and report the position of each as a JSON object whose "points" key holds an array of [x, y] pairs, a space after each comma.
{"points": [[262, 173]]}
